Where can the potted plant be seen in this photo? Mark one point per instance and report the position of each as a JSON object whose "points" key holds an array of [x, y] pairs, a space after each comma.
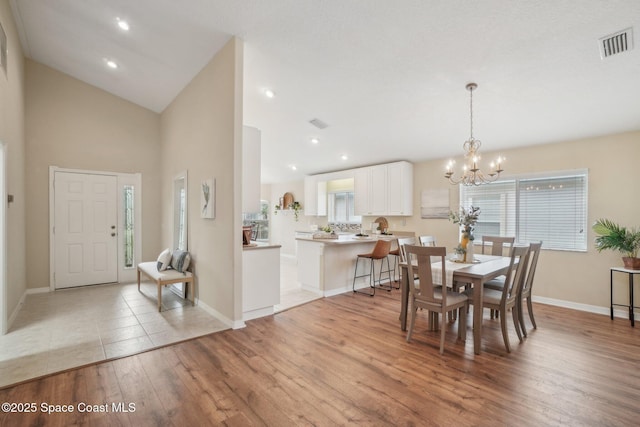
{"points": [[618, 238], [466, 219]]}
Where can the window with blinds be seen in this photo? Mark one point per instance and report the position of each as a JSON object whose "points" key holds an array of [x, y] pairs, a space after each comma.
{"points": [[550, 207]]}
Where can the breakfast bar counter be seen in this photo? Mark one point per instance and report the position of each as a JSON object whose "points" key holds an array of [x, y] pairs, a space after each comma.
{"points": [[326, 266]]}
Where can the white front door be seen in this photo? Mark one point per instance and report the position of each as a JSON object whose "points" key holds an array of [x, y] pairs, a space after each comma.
{"points": [[85, 229]]}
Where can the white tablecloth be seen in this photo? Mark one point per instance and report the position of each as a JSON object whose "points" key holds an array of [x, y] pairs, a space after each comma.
{"points": [[436, 271]]}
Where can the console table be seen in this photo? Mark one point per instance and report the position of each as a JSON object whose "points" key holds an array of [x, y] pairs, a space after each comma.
{"points": [[629, 273]]}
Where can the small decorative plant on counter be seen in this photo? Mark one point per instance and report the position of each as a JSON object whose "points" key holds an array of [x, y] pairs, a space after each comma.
{"points": [[618, 238], [466, 219]]}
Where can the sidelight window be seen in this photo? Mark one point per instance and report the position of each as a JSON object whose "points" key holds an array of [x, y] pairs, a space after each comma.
{"points": [[129, 215]]}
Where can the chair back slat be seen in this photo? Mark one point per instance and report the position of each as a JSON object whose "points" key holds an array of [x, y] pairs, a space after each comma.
{"points": [[402, 241], [425, 291], [515, 274], [534, 252], [497, 244], [427, 241]]}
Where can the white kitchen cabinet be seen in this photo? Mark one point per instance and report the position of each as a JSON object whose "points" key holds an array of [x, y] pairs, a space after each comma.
{"points": [[385, 189], [400, 189], [322, 198], [361, 190], [315, 196], [310, 195]]}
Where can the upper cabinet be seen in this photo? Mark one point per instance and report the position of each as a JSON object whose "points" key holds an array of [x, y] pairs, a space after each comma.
{"points": [[400, 189], [315, 196], [384, 189]]}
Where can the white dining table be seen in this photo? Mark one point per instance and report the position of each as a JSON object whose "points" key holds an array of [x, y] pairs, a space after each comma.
{"points": [[488, 267]]}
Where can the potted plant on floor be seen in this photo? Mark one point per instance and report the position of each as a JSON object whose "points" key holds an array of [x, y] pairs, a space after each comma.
{"points": [[618, 238]]}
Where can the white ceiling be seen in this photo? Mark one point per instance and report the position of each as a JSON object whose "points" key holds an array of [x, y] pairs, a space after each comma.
{"points": [[388, 77]]}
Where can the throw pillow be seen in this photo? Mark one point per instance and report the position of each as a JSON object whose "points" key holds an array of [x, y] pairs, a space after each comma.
{"points": [[180, 260], [164, 260]]}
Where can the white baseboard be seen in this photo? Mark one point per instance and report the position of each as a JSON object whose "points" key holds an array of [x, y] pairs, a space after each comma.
{"points": [[233, 324], [582, 307], [42, 290], [254, 314]]}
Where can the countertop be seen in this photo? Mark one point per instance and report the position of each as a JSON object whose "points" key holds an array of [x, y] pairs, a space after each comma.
{"points": [[350, 239], [259, 245]]}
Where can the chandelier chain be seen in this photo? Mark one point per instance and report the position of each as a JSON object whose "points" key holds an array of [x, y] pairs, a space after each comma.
{"points": [[471, 112]]}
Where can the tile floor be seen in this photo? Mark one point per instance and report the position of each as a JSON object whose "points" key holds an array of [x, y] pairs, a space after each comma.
{"points": [[74, 327], [291, 294], [69, 328]]}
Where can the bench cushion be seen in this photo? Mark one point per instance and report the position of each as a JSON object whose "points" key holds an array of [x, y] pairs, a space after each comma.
{"points": [[151, 269]]}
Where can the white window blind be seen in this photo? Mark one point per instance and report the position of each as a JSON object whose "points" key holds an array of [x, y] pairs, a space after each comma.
{"points": [[551, 208]]}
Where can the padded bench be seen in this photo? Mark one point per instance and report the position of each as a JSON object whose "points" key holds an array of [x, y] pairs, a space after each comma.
{"points": [[166, 277]]}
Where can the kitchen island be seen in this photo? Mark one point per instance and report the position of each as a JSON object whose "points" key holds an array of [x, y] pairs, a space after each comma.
{"points": [[326, 266]]}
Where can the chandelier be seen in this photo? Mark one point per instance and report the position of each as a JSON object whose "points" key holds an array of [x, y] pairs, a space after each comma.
{"points": [[471, 173]]}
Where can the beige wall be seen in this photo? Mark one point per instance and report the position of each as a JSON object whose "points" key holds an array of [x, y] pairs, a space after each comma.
{"points": [[12, 135], [612, 162], [71, 124], [200, 131]]}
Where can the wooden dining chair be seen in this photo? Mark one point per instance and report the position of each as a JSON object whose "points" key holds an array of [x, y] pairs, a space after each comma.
{"points": [[507, 298], [402, 242], [399, 255], [497, 244], [434, 298], [525, 292]]}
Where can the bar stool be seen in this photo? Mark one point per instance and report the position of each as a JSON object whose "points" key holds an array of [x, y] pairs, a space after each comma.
{"points": [[380, 252]]}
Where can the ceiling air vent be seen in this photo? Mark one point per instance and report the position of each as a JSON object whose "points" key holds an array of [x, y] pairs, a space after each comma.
{"points": [[318, 123], [619, 42]]}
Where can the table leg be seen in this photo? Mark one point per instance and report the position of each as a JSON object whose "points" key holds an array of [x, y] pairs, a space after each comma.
{"points": [[404, 299], [611, 291], [477, 315], [631, 316]]}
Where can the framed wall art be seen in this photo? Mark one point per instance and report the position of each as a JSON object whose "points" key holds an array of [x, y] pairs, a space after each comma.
{"points": [[208, 199]]}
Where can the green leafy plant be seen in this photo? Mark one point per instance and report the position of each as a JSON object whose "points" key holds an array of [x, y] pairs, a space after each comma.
{"points": [[466, 218], [617, 238], [296, 209]]}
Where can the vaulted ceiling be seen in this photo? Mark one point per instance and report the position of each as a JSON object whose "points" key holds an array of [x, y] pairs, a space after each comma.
{"points": [[388, 78]]}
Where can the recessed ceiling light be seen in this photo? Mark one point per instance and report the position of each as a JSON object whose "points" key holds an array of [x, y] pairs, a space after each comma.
{"points": [[111, 64], [124, 25], [344, 157], [293, 167], [314, 140], [269, 93]]}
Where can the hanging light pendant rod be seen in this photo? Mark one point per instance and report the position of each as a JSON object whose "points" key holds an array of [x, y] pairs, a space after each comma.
{"points": [[471, 173]]}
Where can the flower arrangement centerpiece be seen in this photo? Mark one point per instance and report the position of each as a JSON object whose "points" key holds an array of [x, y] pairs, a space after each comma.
{"points": [[466, 219]]}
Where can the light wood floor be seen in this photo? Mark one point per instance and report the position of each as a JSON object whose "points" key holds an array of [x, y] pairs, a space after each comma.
{"points": [[344, 361]]}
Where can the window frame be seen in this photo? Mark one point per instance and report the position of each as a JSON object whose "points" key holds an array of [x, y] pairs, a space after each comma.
{"points": [[516, 222]]}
